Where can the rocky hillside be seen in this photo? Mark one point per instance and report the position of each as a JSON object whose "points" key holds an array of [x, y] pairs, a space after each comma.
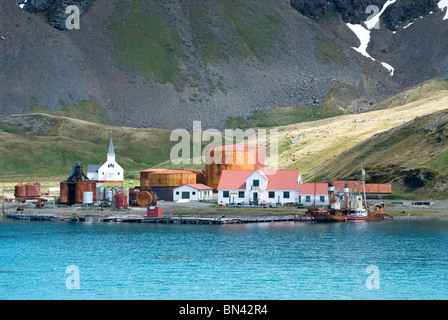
{"points": [[356, 12], [412, 157], [163, 64]]}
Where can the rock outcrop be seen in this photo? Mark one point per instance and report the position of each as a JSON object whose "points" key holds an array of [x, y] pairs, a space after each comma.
{"points": [[55, 11], [356, 12]]}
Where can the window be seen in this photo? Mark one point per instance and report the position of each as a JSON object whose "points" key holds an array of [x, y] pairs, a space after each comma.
{"points": [[193, 192], [286, 194], [322, 198], [225, 194], [177, 193], [240, 194], [271, 194], [256, 183], [308, 199]]}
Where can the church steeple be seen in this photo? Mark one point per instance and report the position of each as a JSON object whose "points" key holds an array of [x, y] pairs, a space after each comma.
{"points": [[111, 150]]}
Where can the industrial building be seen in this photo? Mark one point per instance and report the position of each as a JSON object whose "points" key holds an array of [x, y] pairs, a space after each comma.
{"points": [[77, 189], [266, 186], [110, 171]]}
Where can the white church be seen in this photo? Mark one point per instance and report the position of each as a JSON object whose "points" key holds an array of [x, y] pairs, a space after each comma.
{"points": [[110, 171]]}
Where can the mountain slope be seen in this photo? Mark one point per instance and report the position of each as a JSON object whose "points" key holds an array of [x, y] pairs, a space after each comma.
{"points": [[44, 145], [412, 157], [313, 147], [164, 64]]}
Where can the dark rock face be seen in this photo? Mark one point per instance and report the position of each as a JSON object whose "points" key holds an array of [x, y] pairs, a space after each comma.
{"points": [[56, 10], [356, 11]]}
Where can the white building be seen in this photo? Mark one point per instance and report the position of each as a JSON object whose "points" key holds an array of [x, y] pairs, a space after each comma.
{"points": [[193, 192], [110, 171], [269, 186]]}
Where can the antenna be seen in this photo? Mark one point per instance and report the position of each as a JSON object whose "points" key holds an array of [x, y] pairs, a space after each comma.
{"points": [[363, 174]]}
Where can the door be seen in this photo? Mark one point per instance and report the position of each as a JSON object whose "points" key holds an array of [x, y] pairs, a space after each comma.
{"points": [[185, 195], [255, 196]]}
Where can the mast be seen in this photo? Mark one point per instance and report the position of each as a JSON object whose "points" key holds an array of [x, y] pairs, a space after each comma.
{"points": [[363, 174], [3, 198]]}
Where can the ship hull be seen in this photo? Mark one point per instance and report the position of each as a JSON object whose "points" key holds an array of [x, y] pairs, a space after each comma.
{"points": [[376, 215], [356, 219]]}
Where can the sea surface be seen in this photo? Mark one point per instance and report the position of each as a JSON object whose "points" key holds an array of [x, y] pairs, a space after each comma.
{"points": [[270, 261]]}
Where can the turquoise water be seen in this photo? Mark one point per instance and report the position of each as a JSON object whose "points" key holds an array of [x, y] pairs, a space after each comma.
{"points": [[292, 260]]}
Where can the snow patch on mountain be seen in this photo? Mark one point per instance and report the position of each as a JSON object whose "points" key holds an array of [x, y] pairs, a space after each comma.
{"points": [[443, 5], [363, 35]]}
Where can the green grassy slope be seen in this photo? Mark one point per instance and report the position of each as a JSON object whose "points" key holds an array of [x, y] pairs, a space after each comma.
{"points": [[67, 140], [413, 157]]}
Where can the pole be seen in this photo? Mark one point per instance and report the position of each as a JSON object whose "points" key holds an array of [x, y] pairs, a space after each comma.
{"points": [[363, 173], [3, 199]]}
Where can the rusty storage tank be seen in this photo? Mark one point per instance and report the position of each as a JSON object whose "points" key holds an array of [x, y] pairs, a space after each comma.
{"points": [[63, 193], [240, 156], [121, 201], [20, 191], [144, 198], [33, 190], [200, 176], [166, 178], [133, 196], [79, 193], [90, 186]]}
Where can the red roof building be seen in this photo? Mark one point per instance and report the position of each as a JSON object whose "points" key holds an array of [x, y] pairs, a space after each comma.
{"points": [[269, 186]]}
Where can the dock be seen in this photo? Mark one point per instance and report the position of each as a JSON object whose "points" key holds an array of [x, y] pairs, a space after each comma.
{"points": [[180, 219]]}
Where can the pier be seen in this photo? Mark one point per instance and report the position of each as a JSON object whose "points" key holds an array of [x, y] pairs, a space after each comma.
{"points": [[180, 219]]}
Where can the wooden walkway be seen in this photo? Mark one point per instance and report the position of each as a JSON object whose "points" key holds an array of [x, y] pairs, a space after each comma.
{"points": [[143, 219]]}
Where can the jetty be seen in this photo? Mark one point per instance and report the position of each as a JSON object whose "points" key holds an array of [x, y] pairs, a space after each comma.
{"points": [[179, 219]]}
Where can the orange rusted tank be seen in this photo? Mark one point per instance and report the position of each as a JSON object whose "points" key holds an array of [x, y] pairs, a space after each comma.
{"points": [[144, 198], [20, 191], [33, 190], [90, 186], [166, 178], [64, 192], [79, 193], [232, 157], [121, 201]]}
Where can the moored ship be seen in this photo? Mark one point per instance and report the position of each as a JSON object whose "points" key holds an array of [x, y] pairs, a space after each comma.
{"points": [[354, 207]]}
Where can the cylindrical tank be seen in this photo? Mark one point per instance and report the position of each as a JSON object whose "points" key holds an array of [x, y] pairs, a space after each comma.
{"points": [[99, 193], [87, 197], [91, 186], [232, 157], [63, 197], [20, 191], [121, 201], [79, 193], [107, 194], [32, 190], [166, 178], [144, 198]]}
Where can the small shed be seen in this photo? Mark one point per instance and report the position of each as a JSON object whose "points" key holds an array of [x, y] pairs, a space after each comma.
{"points": [[193, 192]]}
